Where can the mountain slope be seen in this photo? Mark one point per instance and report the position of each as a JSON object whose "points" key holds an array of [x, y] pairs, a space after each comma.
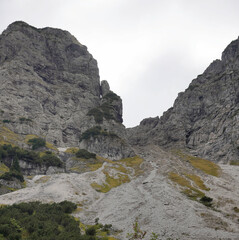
{"points": [[204, 118], [163, 173], [160, 204]]}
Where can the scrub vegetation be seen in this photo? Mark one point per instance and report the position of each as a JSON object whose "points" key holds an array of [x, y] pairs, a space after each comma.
{"points": [[31, 221], [8, 152], [95, 132]]}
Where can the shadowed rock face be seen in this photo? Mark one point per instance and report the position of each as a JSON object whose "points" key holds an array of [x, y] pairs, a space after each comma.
{"points": [[204, 118]]}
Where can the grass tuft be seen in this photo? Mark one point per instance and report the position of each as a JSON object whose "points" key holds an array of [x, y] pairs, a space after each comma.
{"points": [[189, 190], [204, 165]]}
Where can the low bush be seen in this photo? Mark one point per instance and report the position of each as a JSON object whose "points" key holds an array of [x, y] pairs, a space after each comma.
{"points": [[82, 153], [103, 111], [7, 152], [207, 201], [96, 131], [10, 176], [14, 173], [37, 143], [111, 96], [6, 121], [24, 120]]}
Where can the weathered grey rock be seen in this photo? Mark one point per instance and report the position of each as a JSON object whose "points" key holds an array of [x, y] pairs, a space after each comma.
{"points": [[205, 117], [30, 169], [105, 88], [111, 147], [48, 84], [11, 184]]}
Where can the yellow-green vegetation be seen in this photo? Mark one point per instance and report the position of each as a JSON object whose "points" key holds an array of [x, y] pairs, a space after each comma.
{"points": [[51, 146], [189, 190], [204, 165], [79, 209], [95, 166], [29, 177], [91, 164], [111, 182], [72, 150], [133, 162], [43, 179], [234, 163], [198, 181], [7, 136], [118, 172], [3, 168], [121, 168]]}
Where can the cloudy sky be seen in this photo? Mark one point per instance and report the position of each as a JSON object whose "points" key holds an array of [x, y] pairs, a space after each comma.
{"points": [[148, 50]]}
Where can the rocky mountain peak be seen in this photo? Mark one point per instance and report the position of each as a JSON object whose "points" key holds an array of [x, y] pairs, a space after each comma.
{"points": [[204, 118], [231, 53], [50, 79]]}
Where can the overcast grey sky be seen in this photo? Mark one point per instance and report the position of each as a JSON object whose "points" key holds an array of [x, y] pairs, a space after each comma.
{"points": [[148, 50]]}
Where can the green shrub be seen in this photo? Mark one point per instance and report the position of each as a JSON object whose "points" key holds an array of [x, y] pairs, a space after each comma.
{"points": [[82, 153], [6, 121], [111, 96], [96, 131], [24, 120], [105, 110], [91, 231], [97, 114], [207, 201], [91, 132], [37, 143], [41, 221], [48, 158], [12, 175]]}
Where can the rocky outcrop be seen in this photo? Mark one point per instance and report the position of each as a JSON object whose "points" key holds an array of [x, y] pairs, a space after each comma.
{"points": [[106, 144], [49, 84], [204, 118], [30, 169]]}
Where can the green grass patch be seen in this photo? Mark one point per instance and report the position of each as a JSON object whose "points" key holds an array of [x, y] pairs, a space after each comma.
{"points": [[204, 165], [3, 168], [234, 163], [198, 181], [8, 137], [72, 150], [133, 162], [110, 182], [43, 179], [189, 190]]}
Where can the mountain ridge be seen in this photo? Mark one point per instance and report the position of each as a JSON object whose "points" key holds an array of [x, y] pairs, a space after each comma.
{"points": [[208, 106], [165, 173]]}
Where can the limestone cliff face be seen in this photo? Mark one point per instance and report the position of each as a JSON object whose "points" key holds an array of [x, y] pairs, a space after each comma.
{"points": [[205, 117], [50, 87]]}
